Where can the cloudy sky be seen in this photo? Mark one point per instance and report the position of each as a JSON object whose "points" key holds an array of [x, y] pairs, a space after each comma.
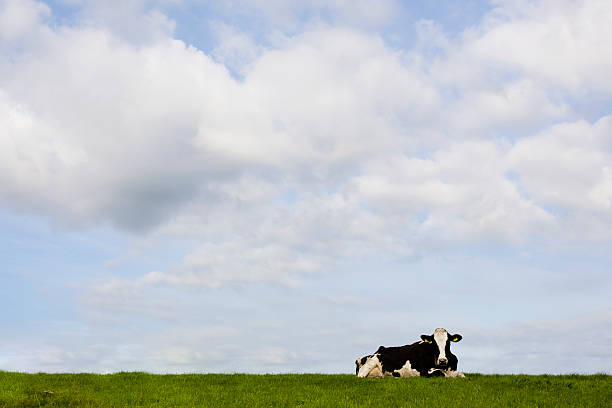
{"points": [[283, 186]]}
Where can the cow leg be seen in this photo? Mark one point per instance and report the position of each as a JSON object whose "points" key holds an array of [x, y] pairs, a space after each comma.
{"points": [[436, 373], [376, 372], [406, 371], [454, 374], [432, 372]]}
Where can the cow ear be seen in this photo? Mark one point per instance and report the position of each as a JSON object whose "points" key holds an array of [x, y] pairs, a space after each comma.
{"points": [[426, 338], [456, 337]]}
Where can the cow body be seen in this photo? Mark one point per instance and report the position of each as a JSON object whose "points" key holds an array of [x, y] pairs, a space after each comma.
{"points": [[429, 357]]}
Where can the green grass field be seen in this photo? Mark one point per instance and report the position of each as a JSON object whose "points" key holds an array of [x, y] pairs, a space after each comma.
{"points": [[300, 390]]}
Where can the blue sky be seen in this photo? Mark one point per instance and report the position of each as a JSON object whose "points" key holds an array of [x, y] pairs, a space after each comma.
{"points": [[270, 186]]}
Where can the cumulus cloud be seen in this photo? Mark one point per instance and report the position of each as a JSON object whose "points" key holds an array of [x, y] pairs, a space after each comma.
{"points": [[568, 165], [22, 25], [135, 21], [458, 195], [108, 127], [558, 43], [322, 99], [235, 49], [567, 168], [19, 17], [332, 143], [515, 107], [102, 102]]}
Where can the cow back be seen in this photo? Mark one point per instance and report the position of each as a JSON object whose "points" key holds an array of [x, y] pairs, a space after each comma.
{"points": [[420, 356]]}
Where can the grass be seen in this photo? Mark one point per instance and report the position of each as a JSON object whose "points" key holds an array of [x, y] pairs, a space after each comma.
{"points": [[300, 390]]}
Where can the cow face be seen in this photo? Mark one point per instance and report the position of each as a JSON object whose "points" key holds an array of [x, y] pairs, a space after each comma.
{"points": [[441, 341], [360, 362]]}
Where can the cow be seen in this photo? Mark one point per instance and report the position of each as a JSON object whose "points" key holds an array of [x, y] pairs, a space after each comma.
{"points": [[430, 357]]}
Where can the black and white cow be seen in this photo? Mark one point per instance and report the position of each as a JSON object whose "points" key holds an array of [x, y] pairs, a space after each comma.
{"points": [[428, 358]]}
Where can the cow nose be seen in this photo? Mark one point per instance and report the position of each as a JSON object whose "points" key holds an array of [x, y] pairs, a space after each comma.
{"points": [[443, 361]]}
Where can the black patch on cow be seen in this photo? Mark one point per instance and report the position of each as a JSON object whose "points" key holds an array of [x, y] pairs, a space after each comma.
{"points": [[427, 338], [452, 359], [396, 374], [422, 357]]}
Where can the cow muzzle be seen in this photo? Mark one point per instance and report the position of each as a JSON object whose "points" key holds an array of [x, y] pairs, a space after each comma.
{"points": [[442, 362]]}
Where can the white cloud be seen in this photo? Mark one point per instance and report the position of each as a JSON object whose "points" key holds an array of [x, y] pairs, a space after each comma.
{"points": [[235, 49], [120, 113], [135, 21], [128, 111], [568, 167], [33, 152], [458, 195], [158, 135], [517, 106], [319, 100], [272, 243], [214, 265], [561, 43], [21, 25], [19, 17]]}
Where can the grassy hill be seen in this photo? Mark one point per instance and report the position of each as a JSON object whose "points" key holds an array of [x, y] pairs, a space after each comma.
{"points": [[300, 390]]}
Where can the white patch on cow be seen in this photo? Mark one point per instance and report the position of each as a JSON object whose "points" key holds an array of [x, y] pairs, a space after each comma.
{"points": [[371, 368], [441, 337], [407, 371], [453, 374]]}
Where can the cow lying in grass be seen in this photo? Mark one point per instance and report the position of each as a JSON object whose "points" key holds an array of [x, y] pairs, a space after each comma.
{"points": [[429, 357]]}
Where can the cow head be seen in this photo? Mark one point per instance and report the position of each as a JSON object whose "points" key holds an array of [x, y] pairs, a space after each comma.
{"points": [[441, 339]]}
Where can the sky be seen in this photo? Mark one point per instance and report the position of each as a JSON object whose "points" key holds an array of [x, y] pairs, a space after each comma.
{"points": [[270, 186]]}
